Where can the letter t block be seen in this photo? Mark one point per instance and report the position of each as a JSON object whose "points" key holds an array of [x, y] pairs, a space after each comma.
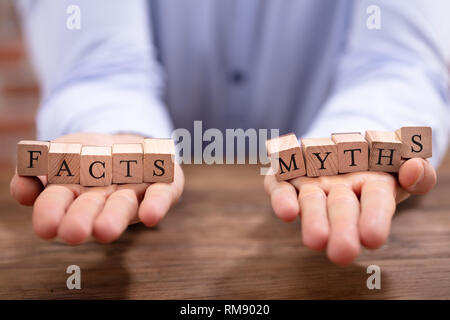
{"points": [[353, 152], [286, 157], [127, 163], [159, 160]]}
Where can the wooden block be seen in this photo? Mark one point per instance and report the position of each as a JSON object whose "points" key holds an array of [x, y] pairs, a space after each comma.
{"points": [[384, 151], [353, 152], [286, 157], [32, 158], [321, 157], [416, 142], [96, 166], [159, 159], [127, 163], [64, 163]]}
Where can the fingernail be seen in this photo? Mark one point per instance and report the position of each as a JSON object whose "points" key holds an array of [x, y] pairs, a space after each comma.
{"points": [[420, 177]]}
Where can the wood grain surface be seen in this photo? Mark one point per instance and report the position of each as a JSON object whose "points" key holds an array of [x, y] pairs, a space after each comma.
{"points": [[222, 241]]}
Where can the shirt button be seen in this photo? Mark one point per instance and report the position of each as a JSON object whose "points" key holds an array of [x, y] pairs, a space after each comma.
{"points": [[237, 77]]}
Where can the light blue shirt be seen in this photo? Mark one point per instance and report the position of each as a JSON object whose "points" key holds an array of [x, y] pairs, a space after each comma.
{"points": [[312, 67]]}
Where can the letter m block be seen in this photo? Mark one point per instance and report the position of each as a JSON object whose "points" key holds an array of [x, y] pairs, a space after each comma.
{"points": [[286, 157]]}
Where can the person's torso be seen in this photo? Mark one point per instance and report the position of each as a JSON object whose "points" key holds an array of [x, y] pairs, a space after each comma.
{"points": [[251, 63]]}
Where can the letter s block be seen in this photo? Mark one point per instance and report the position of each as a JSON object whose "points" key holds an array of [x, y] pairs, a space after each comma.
{"points": [[286, 157], [159, 160], [417, 142], [96, 166], [64, 163], [384, 151], [321, 157], [32, 158]]}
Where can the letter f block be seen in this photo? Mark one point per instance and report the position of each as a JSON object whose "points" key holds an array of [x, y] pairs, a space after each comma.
{"points": [[32, 158], [286, 157]]}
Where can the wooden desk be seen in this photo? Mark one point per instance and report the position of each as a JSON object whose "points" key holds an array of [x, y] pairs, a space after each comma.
{"points": [[222, 241]]}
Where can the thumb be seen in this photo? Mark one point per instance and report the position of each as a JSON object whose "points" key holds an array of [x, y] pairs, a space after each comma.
{"points": [[417, 176]]}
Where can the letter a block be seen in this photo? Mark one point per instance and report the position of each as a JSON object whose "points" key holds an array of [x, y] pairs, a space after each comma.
{"points": [[416, 142], [384, 151], [32, 158], [353, 152], [159, 160], [64, 163], [96, 166], [286, 157], [321, 156], [127, 163]]}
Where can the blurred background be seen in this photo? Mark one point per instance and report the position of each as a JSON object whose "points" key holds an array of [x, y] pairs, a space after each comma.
{"points": [[19, 93]]}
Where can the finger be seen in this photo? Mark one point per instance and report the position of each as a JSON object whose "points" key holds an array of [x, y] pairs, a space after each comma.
{"points": [[120, 209], [76, 226], [377, 209], [25, 189], [159, 197], [417, 176], [343, 213], [283, 197], [50, 207], [313, 211]]}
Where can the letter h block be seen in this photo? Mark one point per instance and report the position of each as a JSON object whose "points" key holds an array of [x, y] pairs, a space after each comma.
{"points": [[385, 151], [321, 157], [286, 157], [96, 166]]}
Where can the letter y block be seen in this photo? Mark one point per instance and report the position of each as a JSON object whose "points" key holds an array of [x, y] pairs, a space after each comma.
{"points": [[321, 157]]}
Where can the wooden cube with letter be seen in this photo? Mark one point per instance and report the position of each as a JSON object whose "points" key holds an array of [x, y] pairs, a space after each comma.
{"points": [[32, 158], [159, 160], [286, 157], [127, 163], [96, 166], [353, 152], [321, 157], [64, 163], [417, 142], [384, 151]]}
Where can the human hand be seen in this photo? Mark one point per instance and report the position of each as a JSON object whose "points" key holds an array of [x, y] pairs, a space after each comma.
{"points": [[342, 212], [73, 212]]}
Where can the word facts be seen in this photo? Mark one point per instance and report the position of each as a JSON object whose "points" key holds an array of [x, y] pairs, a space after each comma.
{"points": [[347, 152], [72, 163]]}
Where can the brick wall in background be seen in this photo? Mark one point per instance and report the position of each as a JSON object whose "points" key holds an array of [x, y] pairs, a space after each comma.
{"points": [[19, 94]]}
